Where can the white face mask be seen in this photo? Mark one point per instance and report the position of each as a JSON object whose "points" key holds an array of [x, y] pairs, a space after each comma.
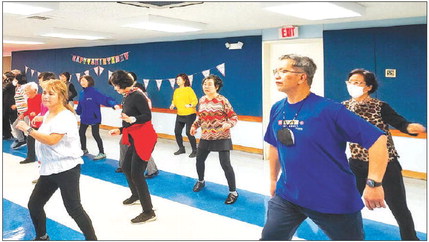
{"points": [[14, 82], [355, 91]]}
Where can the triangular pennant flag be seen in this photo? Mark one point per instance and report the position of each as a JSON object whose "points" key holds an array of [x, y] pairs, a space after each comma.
{"points": [[206, 73], [191, 79], [86, 72], [172, 81], [26, 68], [146, 82], [96, 70], [78, 76], [109, 73], [38, 74], [32, 72], [100, 70], [221, 68], [158, 83]]}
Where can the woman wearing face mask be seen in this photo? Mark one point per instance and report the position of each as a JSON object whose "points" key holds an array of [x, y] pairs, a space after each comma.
{"points": [[360, 84]]}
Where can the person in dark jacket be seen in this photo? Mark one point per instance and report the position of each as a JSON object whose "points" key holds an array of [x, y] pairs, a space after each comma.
{"points": [[65, 77], [90, 113], [9, 115]]}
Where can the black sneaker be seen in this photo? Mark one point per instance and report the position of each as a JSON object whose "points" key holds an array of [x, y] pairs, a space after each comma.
{"points": [[231, 198], [130, 200], [85, 152], [118, 170], [151, 175], [198, 186], [193, 154], [180, 151], [26, 161], [17, 145], [144, 218]]}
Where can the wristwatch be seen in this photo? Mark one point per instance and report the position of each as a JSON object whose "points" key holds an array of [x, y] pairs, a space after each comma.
{"points": [[372, 183], [29, 130]]}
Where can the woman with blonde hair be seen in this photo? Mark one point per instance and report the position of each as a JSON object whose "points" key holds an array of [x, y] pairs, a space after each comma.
{"points": [[57, 148]]}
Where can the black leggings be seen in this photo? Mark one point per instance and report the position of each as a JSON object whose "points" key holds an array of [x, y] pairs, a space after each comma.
{"points": [[181, 121], [95, 128], [225, 162], [68, 183], [134, 167], [394, 194]]}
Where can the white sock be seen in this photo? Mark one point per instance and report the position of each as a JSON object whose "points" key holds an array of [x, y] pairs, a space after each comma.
{"points": [[234, 193]]}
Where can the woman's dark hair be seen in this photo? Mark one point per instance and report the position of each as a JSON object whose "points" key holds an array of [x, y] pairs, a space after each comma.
{"points": [[133, 74], [121, 78], [66, 74], [184, 78], [369, 77], [9, 76], [89, 79], [217, 81], [47, 76], [22, 79]]}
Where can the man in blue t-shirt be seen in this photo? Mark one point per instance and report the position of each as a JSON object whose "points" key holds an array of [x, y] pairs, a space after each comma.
{"points": [[307, 136]]}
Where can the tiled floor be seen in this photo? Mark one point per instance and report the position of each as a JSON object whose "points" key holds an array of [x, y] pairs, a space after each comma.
{"points": [[181, 213]]}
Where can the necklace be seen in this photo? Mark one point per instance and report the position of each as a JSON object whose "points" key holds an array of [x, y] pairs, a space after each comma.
{"points": [[296, 114]]}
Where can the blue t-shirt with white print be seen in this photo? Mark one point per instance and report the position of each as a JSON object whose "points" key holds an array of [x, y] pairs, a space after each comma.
{"points": [[315, 171]]}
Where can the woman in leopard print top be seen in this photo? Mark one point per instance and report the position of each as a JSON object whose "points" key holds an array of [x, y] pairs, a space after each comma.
{"points": [[360, 84]]}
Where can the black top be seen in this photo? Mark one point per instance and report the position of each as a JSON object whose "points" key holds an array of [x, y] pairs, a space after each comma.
{"points": [[72, 91], [8, 97], [394, 119], [135, 104]]}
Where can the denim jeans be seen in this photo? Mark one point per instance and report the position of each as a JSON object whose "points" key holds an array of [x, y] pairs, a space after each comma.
{"points": [[284, 218]]}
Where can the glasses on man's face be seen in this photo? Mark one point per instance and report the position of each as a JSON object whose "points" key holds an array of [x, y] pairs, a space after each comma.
{"points": [[283, 72], [355, 83]]}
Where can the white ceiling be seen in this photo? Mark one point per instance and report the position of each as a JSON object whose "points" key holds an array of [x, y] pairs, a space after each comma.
{"points": [[220, 17]]}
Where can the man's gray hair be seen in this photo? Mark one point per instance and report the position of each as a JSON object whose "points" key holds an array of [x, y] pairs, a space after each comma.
{"points": [[32, 85], [305, 63]]}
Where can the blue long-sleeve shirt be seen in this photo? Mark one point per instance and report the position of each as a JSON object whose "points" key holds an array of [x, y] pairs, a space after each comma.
{"points": [[89, 105]]}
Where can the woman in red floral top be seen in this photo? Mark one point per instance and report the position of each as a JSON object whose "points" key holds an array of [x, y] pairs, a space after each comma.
{"points": [[215, 117]]}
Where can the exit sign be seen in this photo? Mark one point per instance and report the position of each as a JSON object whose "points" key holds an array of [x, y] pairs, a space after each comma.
{"points": [[288, 32]]}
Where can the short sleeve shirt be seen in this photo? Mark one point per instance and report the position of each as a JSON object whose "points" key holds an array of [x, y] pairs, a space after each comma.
{"points": [[64, 155], [315, 171]]}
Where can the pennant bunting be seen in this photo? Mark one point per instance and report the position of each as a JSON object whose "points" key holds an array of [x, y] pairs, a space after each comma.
{"points": [[38, 74], [78, 76], [146, 82], [26, 68], [98, 70], [158, 83], [221, 68], [32, 72], [172, 82], [206, 73], [86, 72]]}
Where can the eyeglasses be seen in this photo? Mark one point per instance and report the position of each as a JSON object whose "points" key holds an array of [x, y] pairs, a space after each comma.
{"points": [[284, 72], [356, 83]]}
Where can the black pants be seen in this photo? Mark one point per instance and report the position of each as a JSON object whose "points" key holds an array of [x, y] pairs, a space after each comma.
{"points": [[95, 133], [8, 118], [68, 183], [181, 121], [394, 194], [225, 162], [31, 147], [134, 168]]}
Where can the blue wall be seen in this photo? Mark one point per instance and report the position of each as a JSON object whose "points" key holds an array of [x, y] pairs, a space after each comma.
{"points": [[163, 60], [403, 48]]}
